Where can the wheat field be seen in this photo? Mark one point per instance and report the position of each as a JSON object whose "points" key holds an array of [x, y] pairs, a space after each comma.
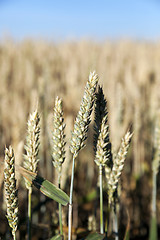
{"points": [[32, 75]]}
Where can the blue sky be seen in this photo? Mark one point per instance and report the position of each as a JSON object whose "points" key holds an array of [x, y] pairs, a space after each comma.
{"points": [[96, 19]]}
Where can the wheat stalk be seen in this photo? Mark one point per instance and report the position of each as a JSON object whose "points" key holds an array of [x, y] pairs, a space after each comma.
{"points": [[113, 177], [58, 145], [79, 134], [30, 158], [102, 144], [10, 190]]}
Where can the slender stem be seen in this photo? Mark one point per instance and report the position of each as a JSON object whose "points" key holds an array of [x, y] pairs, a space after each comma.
{"points": [[101, 199], [14, 235], [154, 193], [115, 216], [60, 206], [107, 220], [29, 213], [60, 219], [70, 203]]}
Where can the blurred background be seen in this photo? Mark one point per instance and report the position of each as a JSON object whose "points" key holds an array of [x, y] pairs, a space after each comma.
{"points": [[48, 48]]}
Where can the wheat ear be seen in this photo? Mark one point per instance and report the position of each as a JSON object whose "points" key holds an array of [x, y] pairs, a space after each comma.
{"points": [[79, 134], [118, 165], [32, 144], [58, 144], [10, 190], [58, 136]]}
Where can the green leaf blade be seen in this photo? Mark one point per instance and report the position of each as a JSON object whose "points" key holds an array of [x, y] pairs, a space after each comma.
{"points": [[51, 191], [46, 187]]}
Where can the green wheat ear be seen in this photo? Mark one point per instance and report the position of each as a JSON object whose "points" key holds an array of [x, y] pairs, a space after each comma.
{"points": [[118, 165], [79, 134], [102, 145], [58, 136], [10, 190], [32, 144]]}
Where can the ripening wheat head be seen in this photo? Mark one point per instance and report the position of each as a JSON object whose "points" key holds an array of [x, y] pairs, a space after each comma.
{"points": [[118, 165], [79, 134], [58, 135], [32, 143], [10, 189], [102, 144]]}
